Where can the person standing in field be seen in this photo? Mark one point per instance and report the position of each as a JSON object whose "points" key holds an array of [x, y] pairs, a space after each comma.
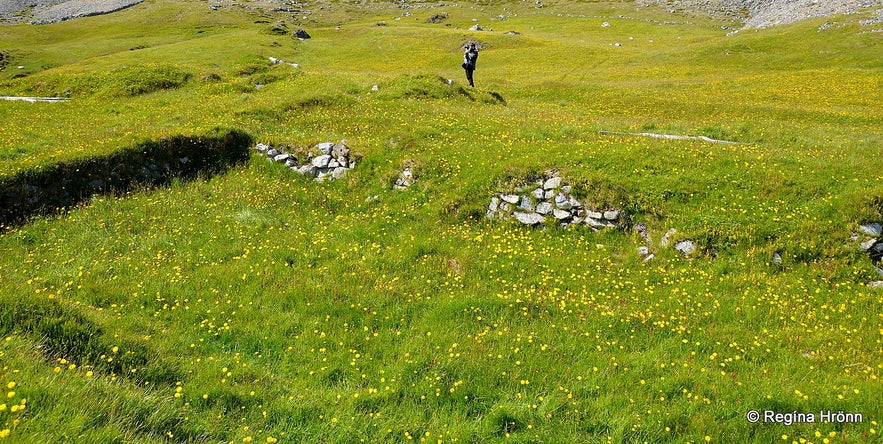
{"points": [[470, 57]]}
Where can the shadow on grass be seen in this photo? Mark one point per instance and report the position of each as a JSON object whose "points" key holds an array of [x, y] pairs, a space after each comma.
{"points": [[52, 189]]}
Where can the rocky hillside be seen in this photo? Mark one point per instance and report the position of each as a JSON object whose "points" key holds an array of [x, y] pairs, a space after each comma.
{"points": [[765, 13]]}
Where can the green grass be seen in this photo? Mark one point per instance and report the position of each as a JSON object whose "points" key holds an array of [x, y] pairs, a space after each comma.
{"points": [[256, 304]]}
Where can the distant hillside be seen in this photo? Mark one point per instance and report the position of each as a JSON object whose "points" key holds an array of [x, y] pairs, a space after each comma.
{"points": [[754, 13], [764, 13]]}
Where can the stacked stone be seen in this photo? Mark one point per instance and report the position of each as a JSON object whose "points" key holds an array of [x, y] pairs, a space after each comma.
{"points": [[329, 161], [872, 244], [549, 199]]}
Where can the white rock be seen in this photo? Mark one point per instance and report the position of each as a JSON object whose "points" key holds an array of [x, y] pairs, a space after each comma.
{"points": [[273, 152], [686, 247], [281, 157], [333, 163], [560, 214], [611, 215], [325, 147], [594, 214], [544, 208], [262, 147], [866, 245], [511, 198], [538, 193], [552, 183], [495, 203], [529, 218], [321, 161]]}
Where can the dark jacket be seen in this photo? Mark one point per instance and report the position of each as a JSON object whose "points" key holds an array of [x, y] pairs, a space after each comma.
{"points": [[470, 57]]}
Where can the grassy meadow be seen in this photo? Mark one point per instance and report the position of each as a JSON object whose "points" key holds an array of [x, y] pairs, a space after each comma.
{"points": [[259, 306]]}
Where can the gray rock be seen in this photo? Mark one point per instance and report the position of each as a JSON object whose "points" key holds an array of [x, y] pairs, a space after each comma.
{"points": [[594, 214], [291, 162], [643, 251], [595, 223], [525, 204], [281, 157], [560, 214], [262, 147], [611, 215], [325, 147], [273, 152], [308, 170], [552, 183], [338, 172], [544, 208], [562, 202], [321, 161], [686, 247], [511, 198], [333, 163], [301, 34], [344, 162], [340, 150], [566, 189], [574, 203], [495, 204], [875, 284], [505, 207], [872, 229], [777, 258], [538, 193], [476, 28], [879, 270], [529, 218], [549, 194], [866, 245], [649, 256]]}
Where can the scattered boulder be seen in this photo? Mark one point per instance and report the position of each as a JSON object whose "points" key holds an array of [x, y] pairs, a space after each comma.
{"points": [[437, 18], [686, 247], [301, 34], [476, 28]]}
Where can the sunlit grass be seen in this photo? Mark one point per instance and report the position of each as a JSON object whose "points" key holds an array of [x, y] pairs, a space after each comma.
{"points": [[258, 306]]}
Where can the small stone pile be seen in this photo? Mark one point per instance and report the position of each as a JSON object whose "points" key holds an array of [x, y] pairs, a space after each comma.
{"points": [[871, 242], [326, 161], [535, 203], [406, 179]]}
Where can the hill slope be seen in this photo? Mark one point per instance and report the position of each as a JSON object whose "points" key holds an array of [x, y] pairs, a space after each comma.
{"points": [[245, 302]]}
